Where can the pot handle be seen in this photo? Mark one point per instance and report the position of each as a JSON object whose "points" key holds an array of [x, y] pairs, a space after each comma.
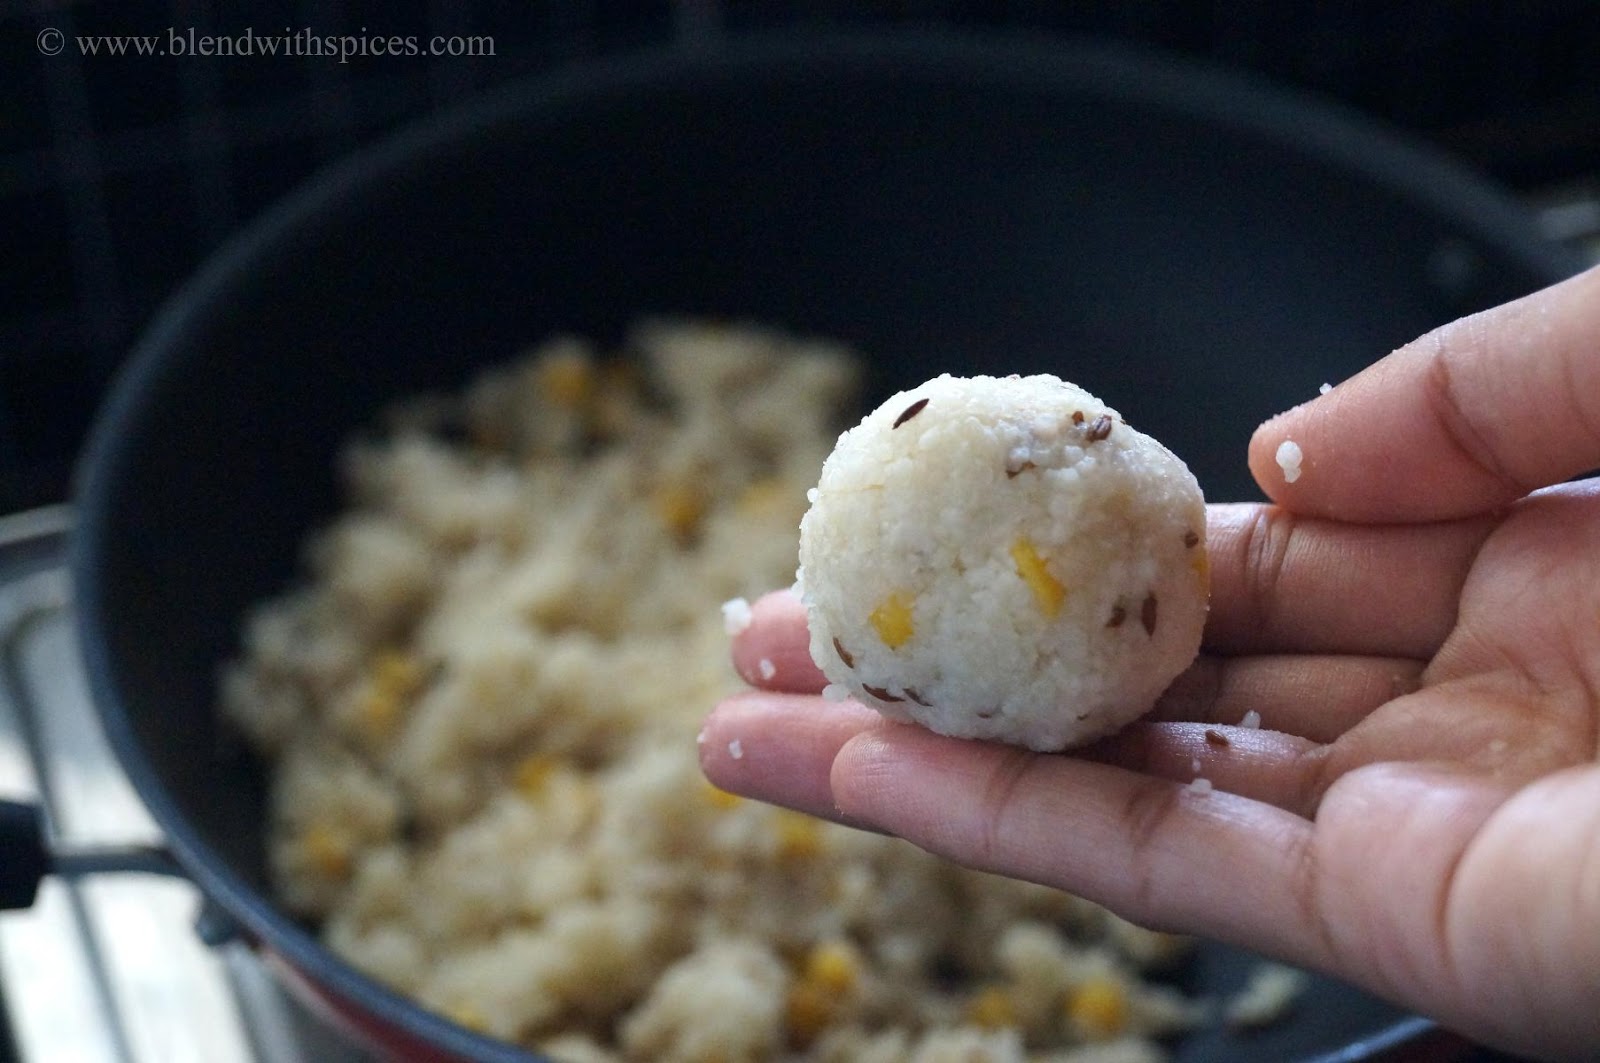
{"points": [[26, 857]]}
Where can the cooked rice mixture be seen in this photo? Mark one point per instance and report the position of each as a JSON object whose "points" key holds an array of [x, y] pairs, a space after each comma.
{"points": [[482, 708]]}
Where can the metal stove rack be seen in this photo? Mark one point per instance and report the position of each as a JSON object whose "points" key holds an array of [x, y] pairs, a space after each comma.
{"points": [[108, 969]]}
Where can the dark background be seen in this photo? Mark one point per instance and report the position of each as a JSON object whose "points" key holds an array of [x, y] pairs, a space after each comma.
{"points": [[118, 175]]}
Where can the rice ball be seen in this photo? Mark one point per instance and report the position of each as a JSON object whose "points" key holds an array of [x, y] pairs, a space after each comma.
{"points": [[1005, 559]]}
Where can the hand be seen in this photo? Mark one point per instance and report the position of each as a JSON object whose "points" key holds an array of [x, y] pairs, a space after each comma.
{"points": [[1417, 621]]}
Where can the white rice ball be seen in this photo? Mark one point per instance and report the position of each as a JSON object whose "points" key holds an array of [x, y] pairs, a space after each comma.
{"points": [[1004, 559]]}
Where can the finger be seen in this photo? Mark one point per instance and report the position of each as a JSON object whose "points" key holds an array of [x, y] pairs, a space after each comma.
{"points": [[1279, 584], [1466, 419], [1152, 850], [1287, 584], [786, 744], [774, 652], [1269, 766], [1315, 697]]}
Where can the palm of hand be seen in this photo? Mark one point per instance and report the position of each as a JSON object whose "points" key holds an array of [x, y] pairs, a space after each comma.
{"points": [[1451, 813]]}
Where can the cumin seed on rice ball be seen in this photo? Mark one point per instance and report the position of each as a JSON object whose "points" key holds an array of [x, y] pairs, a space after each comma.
{"points": [[1006, 559]]}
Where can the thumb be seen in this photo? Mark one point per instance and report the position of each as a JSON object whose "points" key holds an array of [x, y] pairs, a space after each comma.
{"points": [[1470, 417]]}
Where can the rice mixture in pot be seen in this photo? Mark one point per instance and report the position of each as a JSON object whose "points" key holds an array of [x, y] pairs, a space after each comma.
{"points": [[482, 706]]}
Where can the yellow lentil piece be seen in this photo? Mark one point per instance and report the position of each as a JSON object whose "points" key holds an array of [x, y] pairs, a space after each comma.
{"points": [[380, 711], [831, 967], [393, 678], [532, 773], [681, 508], [327, 850], [763, 498], [1048, 592], [566, 380], [469, 1015], [613, 410], [721, 798], [1098, 1009], [799, 836], [807, 1012], [892, 620], [992, 1009], [397, 672]]}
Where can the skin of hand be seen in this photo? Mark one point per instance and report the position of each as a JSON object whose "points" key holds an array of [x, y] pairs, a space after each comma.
{"points": [[1417, 621]]}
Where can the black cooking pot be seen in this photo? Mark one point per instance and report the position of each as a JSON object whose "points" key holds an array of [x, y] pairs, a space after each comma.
{"points": [[1200, 251]]}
